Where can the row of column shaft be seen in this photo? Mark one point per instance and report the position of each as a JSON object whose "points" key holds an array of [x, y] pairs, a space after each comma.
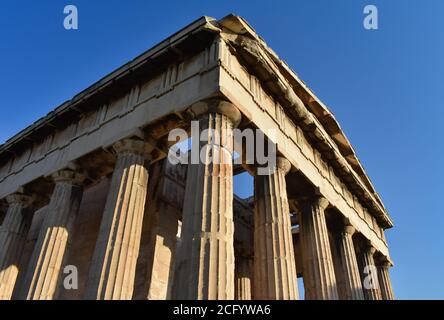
{"points": [[206, 252]]}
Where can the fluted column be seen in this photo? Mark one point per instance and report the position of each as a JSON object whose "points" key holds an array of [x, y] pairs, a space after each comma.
{"points": [[243, 278], [319, 276], [206, 253], [113, 267], [13, 234], [162, 245], [51, 248], [370, 282], [384, 281], [350, 269], [275, 275]]}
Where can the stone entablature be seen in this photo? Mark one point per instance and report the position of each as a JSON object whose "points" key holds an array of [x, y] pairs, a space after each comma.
{"points": [[270, 114], [231, 65], [193, 79]]}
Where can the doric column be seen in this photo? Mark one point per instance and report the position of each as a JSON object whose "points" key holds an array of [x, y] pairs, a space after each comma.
{"points": [[384, 281], [350, 269], [369, 274], [162, 246], [243, 274], [155, 265], [113, 267], [50, 250], [13, 234], [275, 275], [207, 253], [319, 276]]}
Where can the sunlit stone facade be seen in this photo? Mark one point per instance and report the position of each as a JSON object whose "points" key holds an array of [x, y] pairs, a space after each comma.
{"points": [[90, 186]]}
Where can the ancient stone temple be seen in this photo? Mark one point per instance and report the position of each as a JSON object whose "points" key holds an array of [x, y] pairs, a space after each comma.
{"points": [[89, 193]]}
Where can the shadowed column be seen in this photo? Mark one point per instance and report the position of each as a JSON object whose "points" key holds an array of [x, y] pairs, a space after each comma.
{"points": [[384, 281], [243, 278], [113, 267], [274, 262], [206, 251], [350, 269], [47, 259], [369, 274], [319, 276], [161, 249], [155, 265], [13, 234]]}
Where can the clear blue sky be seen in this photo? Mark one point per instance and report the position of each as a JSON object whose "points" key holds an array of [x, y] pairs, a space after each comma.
{"points": [[385, 88]]}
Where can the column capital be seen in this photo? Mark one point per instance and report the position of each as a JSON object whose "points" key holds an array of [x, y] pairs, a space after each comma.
{"points": [[134, 146], [308, 202], [322, 202], [384, 263], [283, 164], [70, 176], [349, 229], [368, 247], [216, 105], [20, 198]]}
